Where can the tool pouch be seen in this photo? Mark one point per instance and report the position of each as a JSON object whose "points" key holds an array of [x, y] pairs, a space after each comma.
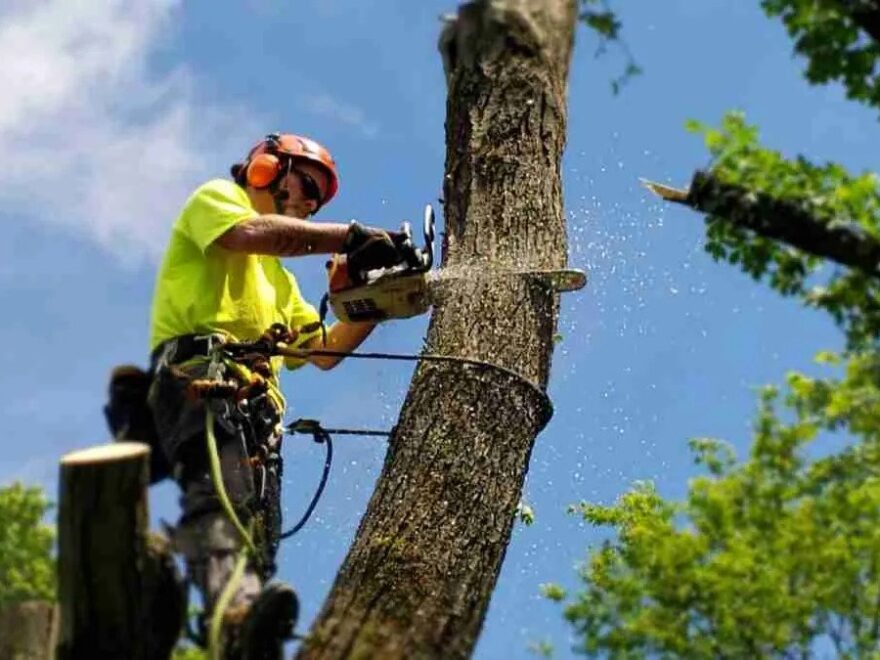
{"points": [[129, 417]]}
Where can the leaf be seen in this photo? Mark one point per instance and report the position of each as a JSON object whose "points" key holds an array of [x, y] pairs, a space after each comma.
{"points": [[552, 592], [526, 514], [603, 22]]}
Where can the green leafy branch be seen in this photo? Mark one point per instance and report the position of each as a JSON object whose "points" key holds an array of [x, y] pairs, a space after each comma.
{"points": [[839, 38], [781, 220], [762, 557]]}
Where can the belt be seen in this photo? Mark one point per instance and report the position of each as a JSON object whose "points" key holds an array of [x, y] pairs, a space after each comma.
{"points": [[182, 348]]}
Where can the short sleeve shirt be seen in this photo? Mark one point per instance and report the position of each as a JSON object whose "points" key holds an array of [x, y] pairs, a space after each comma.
{"points": [[202, 288]]}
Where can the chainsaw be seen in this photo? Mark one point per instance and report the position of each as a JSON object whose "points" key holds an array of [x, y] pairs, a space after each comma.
{"points": [[394, 292], [410, 287]]}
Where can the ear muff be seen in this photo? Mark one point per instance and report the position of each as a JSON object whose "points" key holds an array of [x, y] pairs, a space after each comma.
{"points": [[262, 170]]}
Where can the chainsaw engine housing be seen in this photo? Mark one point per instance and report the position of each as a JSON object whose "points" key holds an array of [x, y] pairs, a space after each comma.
{"points": [[396, 292]]}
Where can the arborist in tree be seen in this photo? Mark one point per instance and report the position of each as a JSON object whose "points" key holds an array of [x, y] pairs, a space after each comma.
{"points": [[221, 281]]}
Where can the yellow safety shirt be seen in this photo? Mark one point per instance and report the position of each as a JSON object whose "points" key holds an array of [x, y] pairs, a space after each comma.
{"points": [[202, 288]]}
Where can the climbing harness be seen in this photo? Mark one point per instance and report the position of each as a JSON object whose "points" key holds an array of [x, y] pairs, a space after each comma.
{"points": [[278, 333], [250, 380]]}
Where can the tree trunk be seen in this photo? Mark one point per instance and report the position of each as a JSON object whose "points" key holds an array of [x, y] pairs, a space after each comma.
{"points": [[118, 588], [28, 630], [418, 578]]}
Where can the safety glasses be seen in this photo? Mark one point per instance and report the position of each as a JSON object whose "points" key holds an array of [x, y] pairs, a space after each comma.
{"points": [[309, 186]]}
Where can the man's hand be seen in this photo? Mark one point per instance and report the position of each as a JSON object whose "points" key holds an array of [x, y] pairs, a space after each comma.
{"points": [[368, 248]]}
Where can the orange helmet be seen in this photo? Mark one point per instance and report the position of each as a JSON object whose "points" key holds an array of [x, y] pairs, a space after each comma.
{"points": [[269, 157]]}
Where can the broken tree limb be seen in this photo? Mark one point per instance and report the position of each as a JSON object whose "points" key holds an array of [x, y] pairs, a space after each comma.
{"points": [[778, 219], [118, 593]]}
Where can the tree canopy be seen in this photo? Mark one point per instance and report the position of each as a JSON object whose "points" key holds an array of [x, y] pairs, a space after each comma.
{"points": [[27, 569], [776, 554], [763, 557]]}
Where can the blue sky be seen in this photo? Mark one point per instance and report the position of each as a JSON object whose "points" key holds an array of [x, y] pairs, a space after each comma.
{"points": [[112, 112]]}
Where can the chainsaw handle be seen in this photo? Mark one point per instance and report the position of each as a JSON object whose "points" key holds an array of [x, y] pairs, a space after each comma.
{"points": [[420, 260], [338, 276], [428, 229], [407, 249]]}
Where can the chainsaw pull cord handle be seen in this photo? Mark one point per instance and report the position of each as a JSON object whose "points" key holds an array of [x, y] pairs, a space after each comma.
{"points": [[320, 436]]}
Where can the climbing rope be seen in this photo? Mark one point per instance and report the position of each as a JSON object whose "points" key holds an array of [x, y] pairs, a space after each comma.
{"points": [[229, 589], [217, 479], [277, 339], [320, 436], [546, 411], [253, 381], [275, 342], [248, 546]]}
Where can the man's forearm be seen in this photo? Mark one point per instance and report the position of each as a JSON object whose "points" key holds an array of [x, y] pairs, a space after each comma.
{"points": [[281, 236], [343, 337]]}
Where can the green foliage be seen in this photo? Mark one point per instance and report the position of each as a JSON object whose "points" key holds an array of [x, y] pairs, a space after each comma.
{"points": [[830, 34], [27, 570], [542, 649], [553, 592], [605, 23], [829, 194], [526, 514], [762, 558], [599, 17], [602, 20]]}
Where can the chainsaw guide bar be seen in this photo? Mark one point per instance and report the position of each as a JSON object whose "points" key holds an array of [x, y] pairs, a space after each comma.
{"points": [[410, 288], [561, 280]]}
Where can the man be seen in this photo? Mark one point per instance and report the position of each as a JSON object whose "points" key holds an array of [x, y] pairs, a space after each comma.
{"points": [[221, 280]]}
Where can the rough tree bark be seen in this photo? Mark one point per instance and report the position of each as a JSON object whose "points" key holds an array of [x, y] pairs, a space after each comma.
{"points": [[418, 578]]}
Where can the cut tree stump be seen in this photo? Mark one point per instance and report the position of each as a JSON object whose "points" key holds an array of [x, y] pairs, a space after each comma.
{"points": [[28, 630], [119, 592]]}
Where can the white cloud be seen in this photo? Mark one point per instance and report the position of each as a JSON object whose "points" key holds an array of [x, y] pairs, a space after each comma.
{"points": [[327, 106], [90, 138]]}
